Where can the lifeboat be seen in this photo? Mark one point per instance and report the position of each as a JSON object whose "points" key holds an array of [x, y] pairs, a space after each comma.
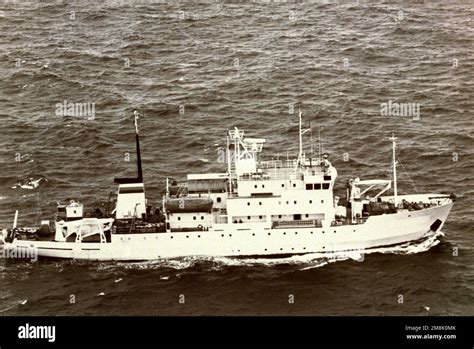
{"points": [[188, 204]]}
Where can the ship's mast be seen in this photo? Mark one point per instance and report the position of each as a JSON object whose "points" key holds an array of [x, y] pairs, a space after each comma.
{"points": [[394, 164], [137, 140], [229, 167], [301, 156], [139, 178]]}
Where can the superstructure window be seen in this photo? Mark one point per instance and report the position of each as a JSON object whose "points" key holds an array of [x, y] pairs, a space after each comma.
{"points": [[218, 199], [309, 186], [294, 185], [325, 185], [317, 186]]}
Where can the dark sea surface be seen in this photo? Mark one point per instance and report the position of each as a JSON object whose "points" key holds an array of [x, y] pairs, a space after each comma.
{"points": [[195, 70]]}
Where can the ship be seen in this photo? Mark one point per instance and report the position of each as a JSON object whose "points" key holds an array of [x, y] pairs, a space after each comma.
{"points": [[254, 208]]}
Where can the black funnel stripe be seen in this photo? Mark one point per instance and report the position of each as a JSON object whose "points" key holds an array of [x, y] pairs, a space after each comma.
{"points": [[139, 178]]}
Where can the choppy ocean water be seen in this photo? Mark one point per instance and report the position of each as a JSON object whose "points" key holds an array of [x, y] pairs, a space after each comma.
{"points": [[194, 70]]}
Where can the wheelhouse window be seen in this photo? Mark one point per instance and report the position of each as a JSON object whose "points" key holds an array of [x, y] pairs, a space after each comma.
{"points": [[317, 186], [325, 185], [309, 186]]}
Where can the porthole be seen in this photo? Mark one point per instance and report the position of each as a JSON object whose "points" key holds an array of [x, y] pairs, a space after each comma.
{"points": [[294, 185], [199, 236], [260, 203], [311, 232], [187, 236], [281, 249], [279, 216], [259, 217], [294, 202], [194, 217], [263, 185], [304, 248], [171, 236], [230, 235], [253, 234], [296, 233], [248, 203], [269, 234], [282, 185], [322, 201], [248, 217], [179, 218], [310, 201], [323, 231], [334, 232], [265, 249], [255, 186], [222, 235]]}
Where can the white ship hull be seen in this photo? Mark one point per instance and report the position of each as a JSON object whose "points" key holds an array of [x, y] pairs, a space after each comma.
{"points": [[240, 240]]}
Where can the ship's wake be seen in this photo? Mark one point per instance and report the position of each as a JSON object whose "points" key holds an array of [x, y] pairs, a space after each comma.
{"points": [[303, 262]]}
